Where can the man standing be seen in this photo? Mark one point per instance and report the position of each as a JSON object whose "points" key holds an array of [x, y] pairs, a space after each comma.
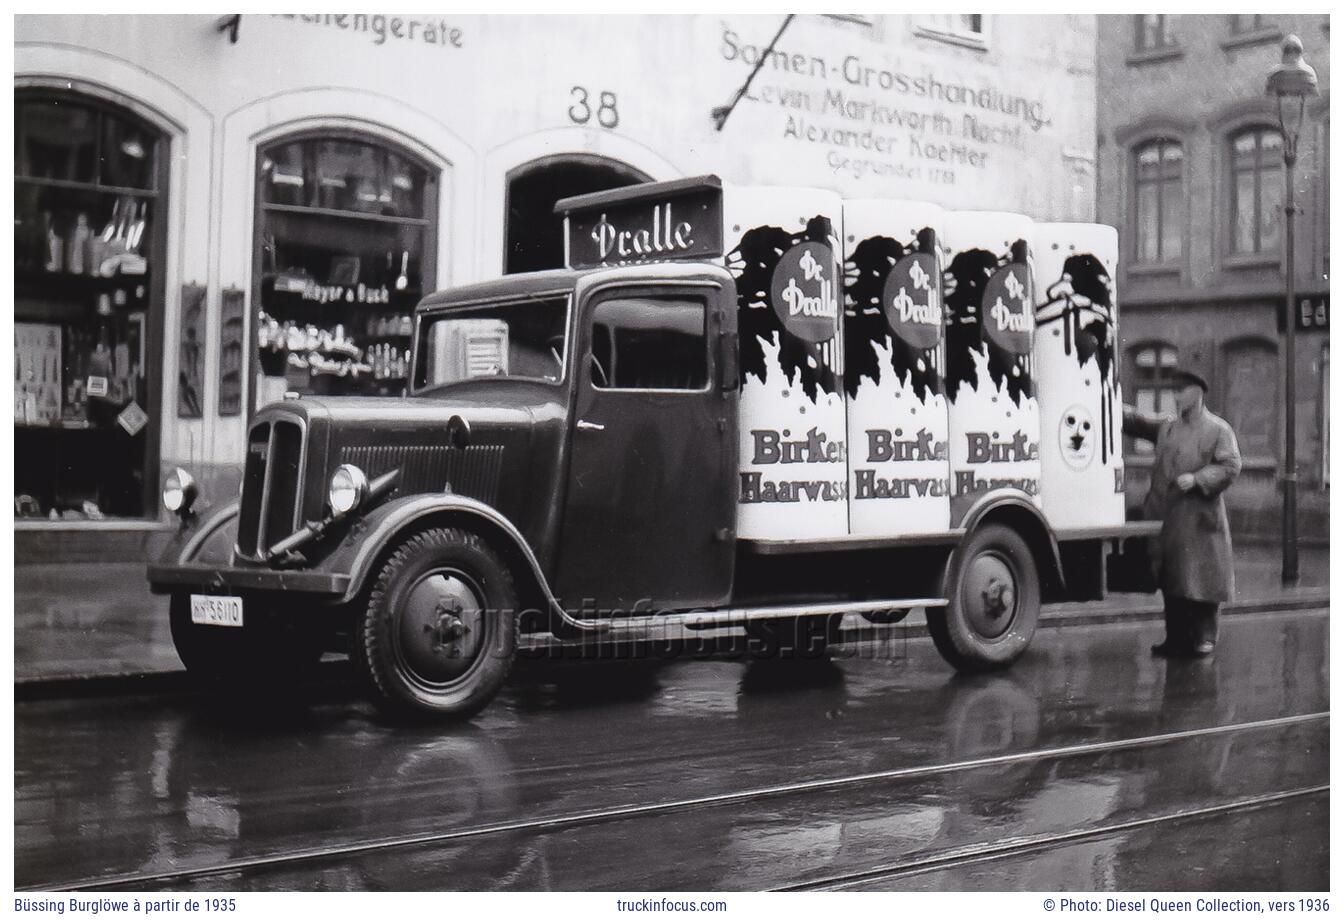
{"points": [[1196, 459]]}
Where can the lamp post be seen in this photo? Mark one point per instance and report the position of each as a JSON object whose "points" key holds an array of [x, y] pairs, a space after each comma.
{"points": [[1291, 83]]}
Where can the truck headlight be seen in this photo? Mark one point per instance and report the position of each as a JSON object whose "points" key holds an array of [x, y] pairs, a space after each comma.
{"points": [[349, 487], [179, 492]]}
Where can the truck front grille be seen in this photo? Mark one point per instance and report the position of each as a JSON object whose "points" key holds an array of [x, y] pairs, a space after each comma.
{"points": [[473, 472], [272, 486]]}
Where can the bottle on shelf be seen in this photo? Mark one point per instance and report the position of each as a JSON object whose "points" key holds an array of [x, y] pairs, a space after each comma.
{"points": [[77, 247], [55, 246]]}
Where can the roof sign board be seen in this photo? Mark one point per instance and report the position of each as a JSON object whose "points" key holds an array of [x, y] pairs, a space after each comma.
{"points": [[653, 222]]}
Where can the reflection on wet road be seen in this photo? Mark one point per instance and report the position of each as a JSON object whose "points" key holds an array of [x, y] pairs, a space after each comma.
{"points": [[123, 787]]}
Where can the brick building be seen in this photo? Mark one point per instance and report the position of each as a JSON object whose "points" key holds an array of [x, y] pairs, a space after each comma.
{"points": [[1190, 168]]}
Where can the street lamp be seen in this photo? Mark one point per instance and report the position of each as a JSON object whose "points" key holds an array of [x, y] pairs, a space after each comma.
{"points": [[1291, 82]]}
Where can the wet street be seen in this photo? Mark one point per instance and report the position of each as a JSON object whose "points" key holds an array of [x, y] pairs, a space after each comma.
{"points": [[1089, 765]]}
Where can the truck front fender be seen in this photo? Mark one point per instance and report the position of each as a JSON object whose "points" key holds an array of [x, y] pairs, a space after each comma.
{"points": [[378, 533], [210, 540]]}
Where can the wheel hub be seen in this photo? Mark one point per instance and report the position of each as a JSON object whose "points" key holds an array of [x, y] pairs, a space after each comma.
{"points": [[989, 595], [441, 629]]}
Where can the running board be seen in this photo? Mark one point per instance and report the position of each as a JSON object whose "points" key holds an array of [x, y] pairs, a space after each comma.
{"points": [[739, 616]]}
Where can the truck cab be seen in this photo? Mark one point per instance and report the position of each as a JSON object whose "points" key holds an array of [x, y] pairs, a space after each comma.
{"points": [[572, 433]]}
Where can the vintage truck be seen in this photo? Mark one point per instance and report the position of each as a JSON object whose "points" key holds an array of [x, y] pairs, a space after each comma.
{"points": [[579, 451]]}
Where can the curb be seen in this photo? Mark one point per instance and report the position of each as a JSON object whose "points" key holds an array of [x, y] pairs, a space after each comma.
{"points": [[913, 627]]}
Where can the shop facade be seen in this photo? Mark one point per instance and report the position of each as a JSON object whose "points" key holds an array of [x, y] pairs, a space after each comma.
{"points": [[205, 223]]}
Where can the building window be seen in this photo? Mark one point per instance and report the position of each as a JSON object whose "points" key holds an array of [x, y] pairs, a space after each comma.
{"points": [[1251, 396], [1155, 387], [345, 249], [1152, 32], [89, 188], [1159, 211], [966, 29], [1257, 191]]}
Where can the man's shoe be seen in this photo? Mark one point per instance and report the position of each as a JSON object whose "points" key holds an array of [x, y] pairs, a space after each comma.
{"points": [[1165, 649], [1202, 650]]}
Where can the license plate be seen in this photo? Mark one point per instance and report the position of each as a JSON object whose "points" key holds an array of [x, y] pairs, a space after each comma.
{"points": [[210, 610]]}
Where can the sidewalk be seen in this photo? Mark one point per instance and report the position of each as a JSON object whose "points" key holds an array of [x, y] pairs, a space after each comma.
{"points": [[99, 620]]}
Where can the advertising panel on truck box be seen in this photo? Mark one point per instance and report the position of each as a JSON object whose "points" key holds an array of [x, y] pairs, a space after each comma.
{"points": [[1082, 466], [895, 360]]}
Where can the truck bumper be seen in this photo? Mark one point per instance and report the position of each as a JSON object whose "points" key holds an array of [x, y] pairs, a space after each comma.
{"points": [[215, 579]]}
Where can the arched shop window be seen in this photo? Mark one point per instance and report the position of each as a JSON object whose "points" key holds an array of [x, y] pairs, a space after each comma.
{"points": [[90, 181], [345, 249]]}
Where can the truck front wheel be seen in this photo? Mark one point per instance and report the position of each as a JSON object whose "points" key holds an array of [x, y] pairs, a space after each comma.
{"points": [[994, 601], [441, 626]]}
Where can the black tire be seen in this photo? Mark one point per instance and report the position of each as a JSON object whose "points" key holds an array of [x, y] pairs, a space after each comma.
{"points": [[441, 626], [798, 638], [267, 650], [994, 601]]}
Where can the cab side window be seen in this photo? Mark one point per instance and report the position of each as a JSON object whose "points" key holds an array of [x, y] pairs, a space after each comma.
{"points": [[650, 343]]}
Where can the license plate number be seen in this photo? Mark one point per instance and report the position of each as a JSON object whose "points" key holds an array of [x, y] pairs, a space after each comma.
{"points": [[210, 610]]}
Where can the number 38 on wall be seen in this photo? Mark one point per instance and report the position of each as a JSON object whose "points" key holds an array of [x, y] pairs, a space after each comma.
{"points": [[581, 110]]}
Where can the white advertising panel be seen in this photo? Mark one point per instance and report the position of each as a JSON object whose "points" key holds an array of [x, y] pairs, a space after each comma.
{"points": [[1082, 462], [894, 367], [993, 416], [783, 248]]}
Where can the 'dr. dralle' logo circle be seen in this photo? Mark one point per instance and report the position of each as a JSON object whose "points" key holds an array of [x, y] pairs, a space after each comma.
{"points": [[912, 301], [1006, 313], [804, 294]]}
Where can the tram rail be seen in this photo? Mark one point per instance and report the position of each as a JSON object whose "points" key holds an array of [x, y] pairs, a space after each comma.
{"points": [[956, 856]]}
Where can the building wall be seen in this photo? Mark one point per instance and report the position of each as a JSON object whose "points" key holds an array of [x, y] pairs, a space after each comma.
{"points": [[867, 106], [1210, 303]]}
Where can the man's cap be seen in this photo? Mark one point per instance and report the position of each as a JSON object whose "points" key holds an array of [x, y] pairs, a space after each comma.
{"points": [[1186, 378]]}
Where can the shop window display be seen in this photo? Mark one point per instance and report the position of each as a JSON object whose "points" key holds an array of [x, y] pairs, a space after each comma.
{"points": [[345, 252], [88, 189]]}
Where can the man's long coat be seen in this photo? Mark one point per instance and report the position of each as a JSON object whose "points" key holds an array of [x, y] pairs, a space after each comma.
{"points": [[1193, 555]]}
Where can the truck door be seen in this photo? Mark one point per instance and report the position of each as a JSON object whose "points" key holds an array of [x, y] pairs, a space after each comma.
{"points": [[651, 505]]}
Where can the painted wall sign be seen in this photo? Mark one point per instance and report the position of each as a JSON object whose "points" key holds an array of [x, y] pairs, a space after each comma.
{"points": [[629, 232], [379, 28], [913, 119]]}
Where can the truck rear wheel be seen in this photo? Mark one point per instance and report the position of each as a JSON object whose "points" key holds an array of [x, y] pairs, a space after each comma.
{"points": [[439, 633], [994, 601]]}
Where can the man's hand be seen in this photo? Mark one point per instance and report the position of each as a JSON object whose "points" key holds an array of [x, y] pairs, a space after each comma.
{"points": [[1185, 482]]}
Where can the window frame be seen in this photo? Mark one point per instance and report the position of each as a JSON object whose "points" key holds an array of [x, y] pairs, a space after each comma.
{"points": [[976, 40], [1162, 183], [697, 294], [1169, 48], [429, 225], [1160, 378], [1229, 200], [434, 314], [156, 249]]}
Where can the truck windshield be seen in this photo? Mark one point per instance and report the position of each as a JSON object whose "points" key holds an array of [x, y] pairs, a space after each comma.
{"points": [[526, 340]]}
